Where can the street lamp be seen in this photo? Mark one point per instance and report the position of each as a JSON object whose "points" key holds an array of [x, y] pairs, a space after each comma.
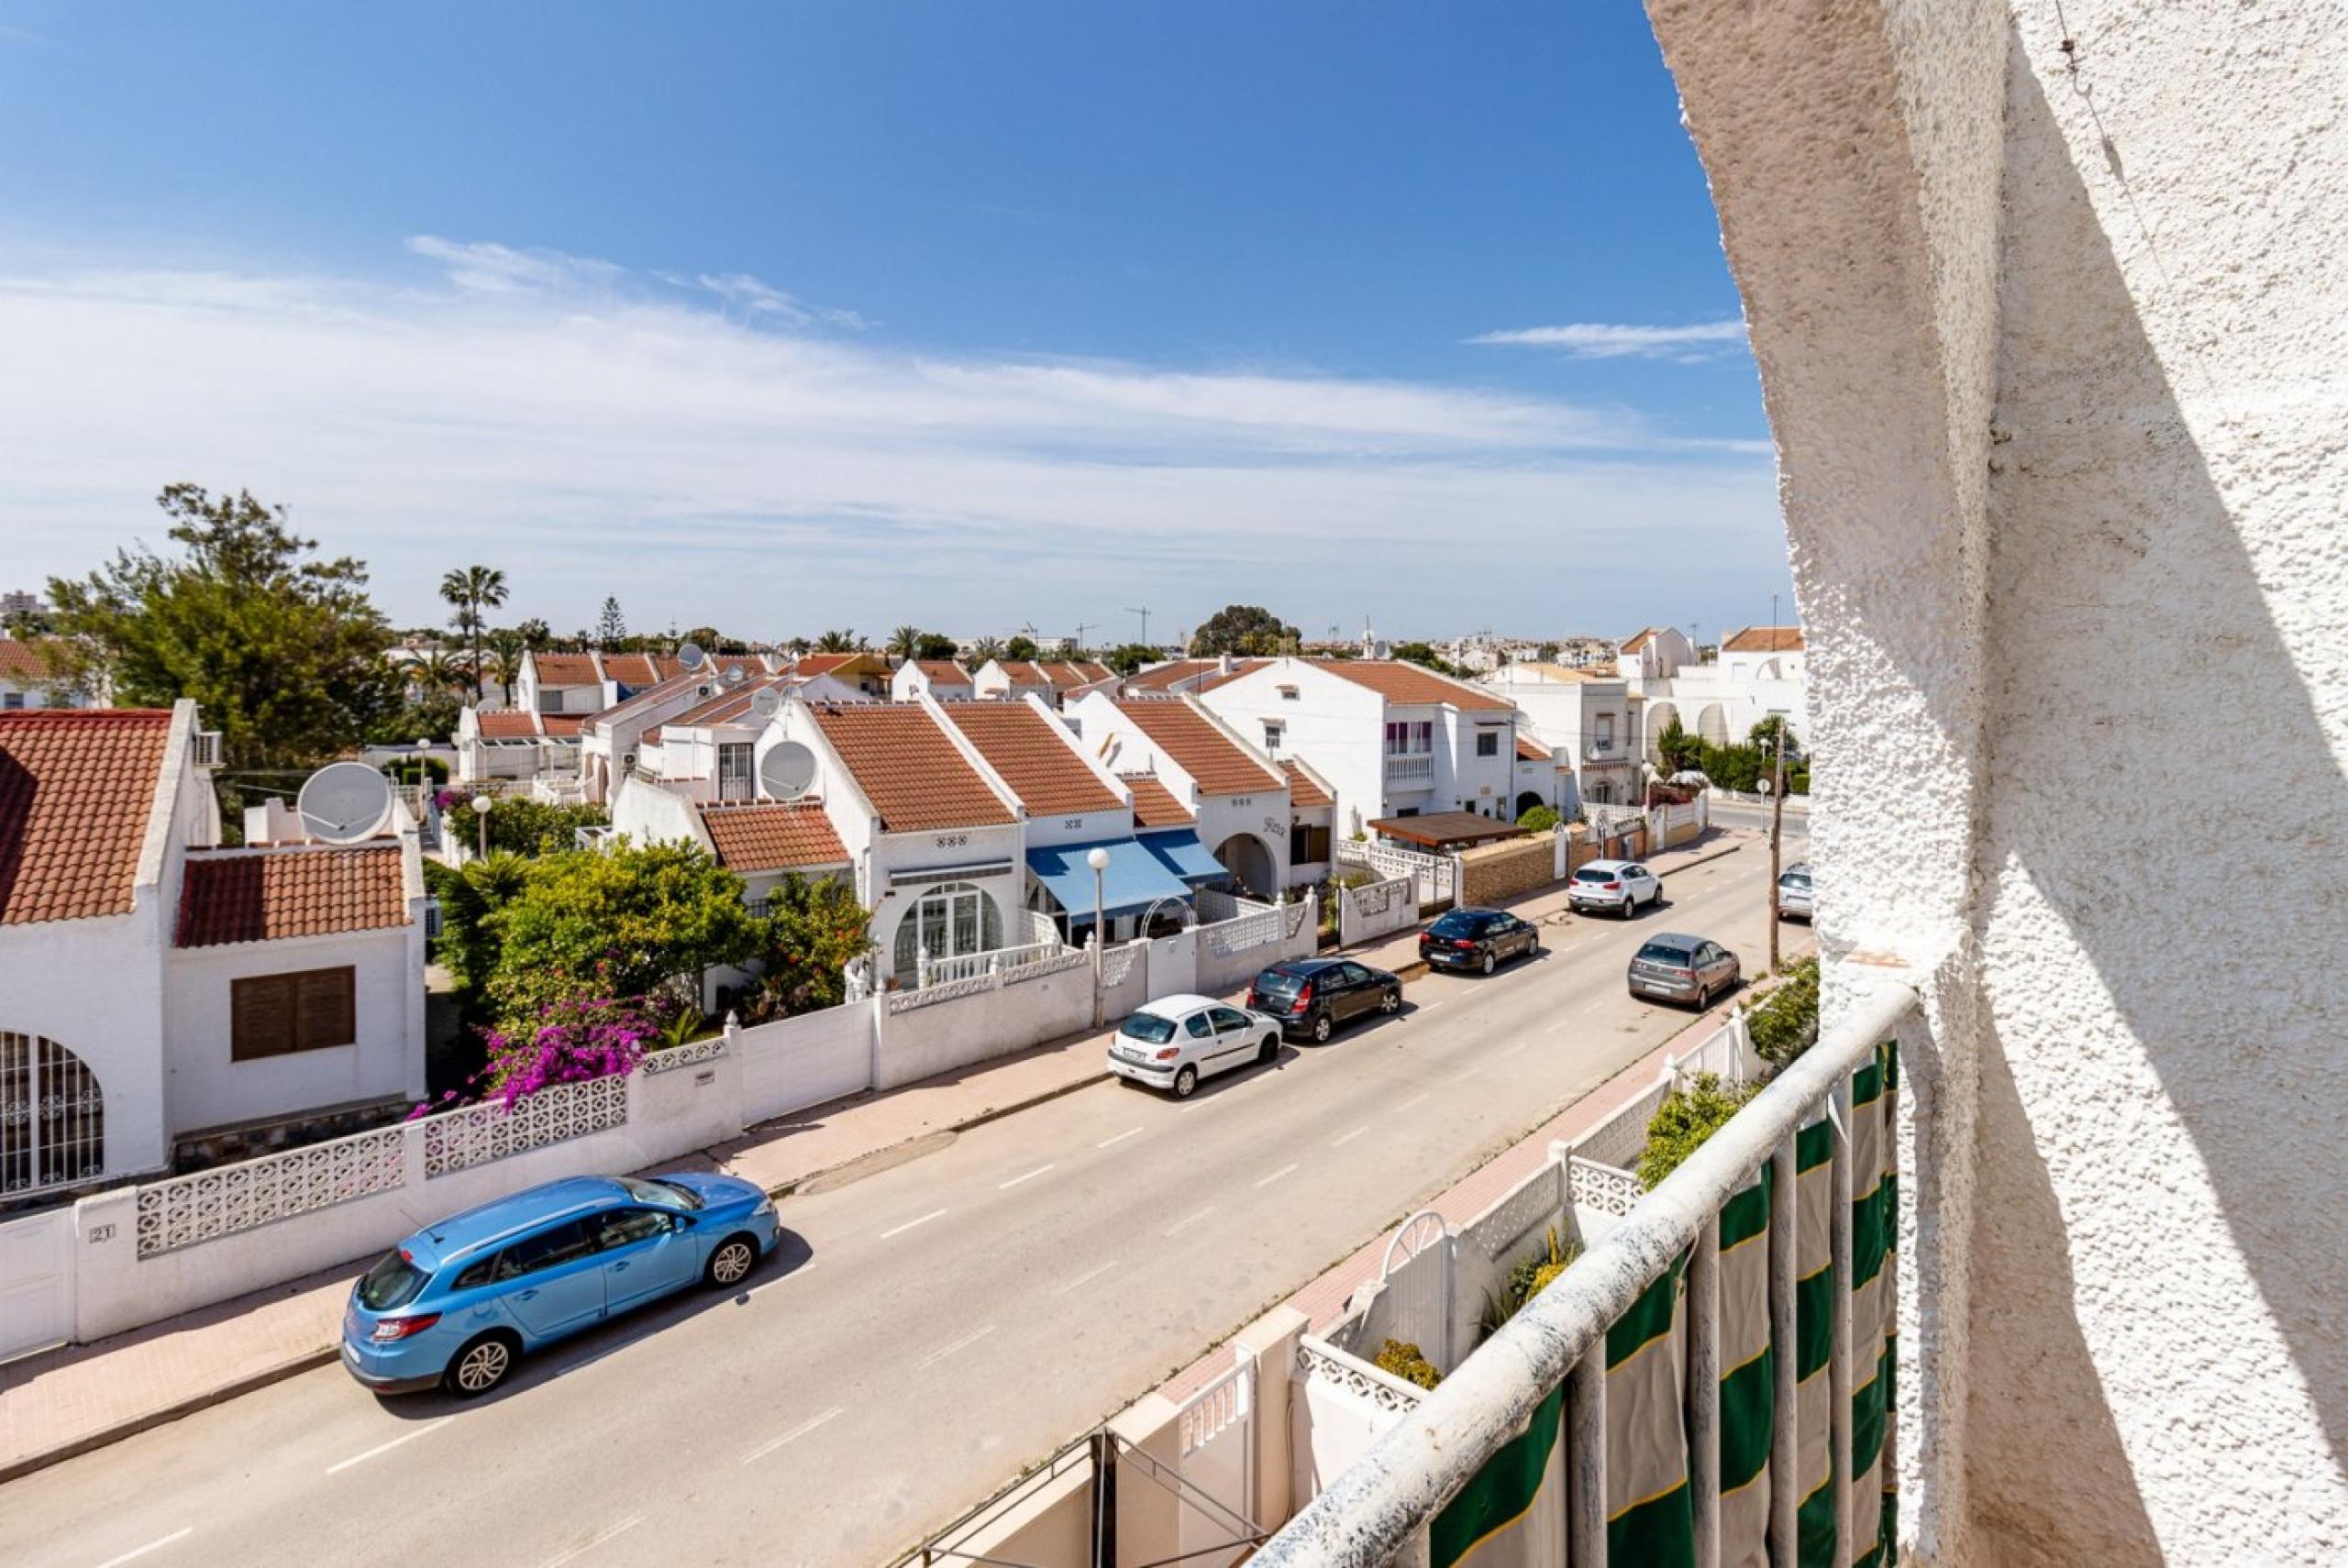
{"points": [[1099, 860], [480, 808]]}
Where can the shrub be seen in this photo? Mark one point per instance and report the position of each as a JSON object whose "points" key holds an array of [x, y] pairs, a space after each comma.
{"points": [[1526, 1280], [1402, 1359], [1785, 1021], [812, 931], [521, 826], [1687, 1116], [403, 769], [1540, 819], [570, 1042]]}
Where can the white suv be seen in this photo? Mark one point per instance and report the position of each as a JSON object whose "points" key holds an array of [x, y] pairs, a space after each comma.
{"points": [[1174, 1042], [1621, 886]]}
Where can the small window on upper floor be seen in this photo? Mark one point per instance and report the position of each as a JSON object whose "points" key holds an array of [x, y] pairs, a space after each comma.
{"points": [[1288, 693], [1487, 743], [1273, 733]]}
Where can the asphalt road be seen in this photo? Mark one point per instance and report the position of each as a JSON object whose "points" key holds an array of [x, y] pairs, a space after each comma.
{"points": [[927, 1331]]}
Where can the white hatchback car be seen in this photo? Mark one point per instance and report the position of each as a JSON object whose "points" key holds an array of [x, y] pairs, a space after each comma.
{"points": [[1174, 1042], [1618, 884]]}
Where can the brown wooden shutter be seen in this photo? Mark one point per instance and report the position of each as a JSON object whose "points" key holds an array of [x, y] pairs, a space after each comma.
{"points": [[328, 1008], [261, 1017]]}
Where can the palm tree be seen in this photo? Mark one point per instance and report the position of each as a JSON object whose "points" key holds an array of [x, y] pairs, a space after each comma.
{"points": [[435, 673], [506, 649], [798, 644], [905, 642], [985, 649], [835, 642], [474, 589]]}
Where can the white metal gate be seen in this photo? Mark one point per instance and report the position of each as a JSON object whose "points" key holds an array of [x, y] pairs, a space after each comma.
{"points": [[1216, 1440], [53, 1117], [36, 1282], [1416, 1270]]}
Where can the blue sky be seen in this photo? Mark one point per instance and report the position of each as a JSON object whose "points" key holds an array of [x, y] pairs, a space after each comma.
{"points": [[786, 317]]}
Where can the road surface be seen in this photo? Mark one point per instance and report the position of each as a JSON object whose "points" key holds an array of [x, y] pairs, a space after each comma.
{"points": [[929, 1329]]}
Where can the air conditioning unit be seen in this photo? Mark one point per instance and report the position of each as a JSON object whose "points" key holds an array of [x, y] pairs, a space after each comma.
{"points": [[431, 920], [627, 761], [207, 748]]}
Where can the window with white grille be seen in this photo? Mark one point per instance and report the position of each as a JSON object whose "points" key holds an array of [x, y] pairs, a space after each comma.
{"points": [[52, 1116]]}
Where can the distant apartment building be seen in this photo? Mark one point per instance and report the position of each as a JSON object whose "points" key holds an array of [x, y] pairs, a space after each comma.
{"points": [[1585, 720]]}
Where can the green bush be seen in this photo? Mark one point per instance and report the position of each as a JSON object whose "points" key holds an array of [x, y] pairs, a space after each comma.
{"points": [[521, 826], [1540, 819], [1786, 1022], [1526, 1280], [1402, 1359], [1687, 1117], [403, 769]]}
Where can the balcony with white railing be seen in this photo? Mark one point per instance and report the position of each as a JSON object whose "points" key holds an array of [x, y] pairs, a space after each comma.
{"points": [[995, 960], [1466, 1461], [1410, 770]]}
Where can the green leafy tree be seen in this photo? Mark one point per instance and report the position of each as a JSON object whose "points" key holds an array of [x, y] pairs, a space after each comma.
{"points": [[610, 626], [1129, 658], [1689, 1115], [837, 642], [1785, 1021], [1423, 653], [282, 652], [1765, 734], [619, 922], [1540, 819], [470, 896], [431, 715], [1548, 653], [935, 644], [1248, 629], [904, 643], [536, 634], [1020, 647], [528, 828], [474, 591], [812, 931]]}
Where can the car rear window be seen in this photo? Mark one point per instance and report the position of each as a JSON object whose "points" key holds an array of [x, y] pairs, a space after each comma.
{"points": [[393, 1282], [1794, 879], [1279, 983], [1593, 874], [1663, 953], [1457, 924], [1148, 1028]]}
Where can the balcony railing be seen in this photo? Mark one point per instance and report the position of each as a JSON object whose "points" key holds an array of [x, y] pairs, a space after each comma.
{"points": [[1416, 767], [1381, 1509]]}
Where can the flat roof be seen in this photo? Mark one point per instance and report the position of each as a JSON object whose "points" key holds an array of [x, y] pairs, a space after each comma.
{"points": [[1444, 830]]}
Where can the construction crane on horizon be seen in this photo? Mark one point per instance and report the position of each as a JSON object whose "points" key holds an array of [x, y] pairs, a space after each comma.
{"points": [[1142, 611]]}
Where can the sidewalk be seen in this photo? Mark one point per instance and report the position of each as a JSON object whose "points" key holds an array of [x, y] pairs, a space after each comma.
{"points": [[65, 1402]]}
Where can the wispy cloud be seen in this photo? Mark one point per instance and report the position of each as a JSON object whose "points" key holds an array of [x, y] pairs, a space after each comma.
{"points": [[708, 451], [1603, 340]]}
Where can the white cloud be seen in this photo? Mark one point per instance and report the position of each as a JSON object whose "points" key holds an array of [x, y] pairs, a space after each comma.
{"points": [[707, 454], [1601, 340]]}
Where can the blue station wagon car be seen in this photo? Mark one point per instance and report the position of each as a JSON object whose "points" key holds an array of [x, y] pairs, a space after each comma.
{"points": [[457, 1303]]}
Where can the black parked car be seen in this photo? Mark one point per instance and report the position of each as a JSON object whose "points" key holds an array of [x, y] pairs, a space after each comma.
{"points": [[1477, 938], [1313, 996]]}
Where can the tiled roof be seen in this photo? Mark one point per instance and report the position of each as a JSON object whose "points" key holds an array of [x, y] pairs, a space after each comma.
{"points": [[1154, 804], [635, 668], [507, 723], [1528, 749], [1645, 636], [731, 706], [1055, 673], [1239, 666], [943, 671], [1221, 765], [1168, 675], [825, 663], [26, 663], [76, 789], [1033, 755], [1398, 681], [1764, 639], [562, 726], [566, 669], [1303, 790], [262, 895], [639, 700], [908, 769], [773, 835]]}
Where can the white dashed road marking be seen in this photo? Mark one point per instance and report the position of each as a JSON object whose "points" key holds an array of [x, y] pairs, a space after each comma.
{"points": [[1340, 1143], [1118, 1139], [942, 1351], [911, 1224], [593, 1542], [1084, 1279], [387, 1447], [1015, 1181], [1180, 1226], [793, 1435], [136, 1552], [1276, 1176]]}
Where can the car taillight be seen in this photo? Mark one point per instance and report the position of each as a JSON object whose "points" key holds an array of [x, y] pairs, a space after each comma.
{"points": [[1303, 999], [1463, 945], [1612, 886], [401, 1328], [1170, 1053]]}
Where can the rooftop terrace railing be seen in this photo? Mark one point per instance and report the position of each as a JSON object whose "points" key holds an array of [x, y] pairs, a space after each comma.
{"points": [[1381, 1508]]}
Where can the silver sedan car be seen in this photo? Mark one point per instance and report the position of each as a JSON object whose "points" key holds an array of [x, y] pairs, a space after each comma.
{"points": [[1794, 896], [1681, 968]]}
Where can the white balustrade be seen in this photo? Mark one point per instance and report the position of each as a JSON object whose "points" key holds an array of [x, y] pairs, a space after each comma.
{"points": [[477, 1135], [186, 1211]]}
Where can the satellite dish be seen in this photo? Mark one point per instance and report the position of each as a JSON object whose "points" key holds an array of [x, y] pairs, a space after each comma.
{"points": [[735, 674], [344, 802], [764, 703], [788, 770], [691, 656]]}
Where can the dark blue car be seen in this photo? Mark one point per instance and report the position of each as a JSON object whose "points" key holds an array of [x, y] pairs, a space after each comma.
{"points": [[458, 1302]]}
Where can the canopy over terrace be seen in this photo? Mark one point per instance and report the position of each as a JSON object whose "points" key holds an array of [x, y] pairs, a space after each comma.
{"points": [[1445, 830], [1133, 881]]}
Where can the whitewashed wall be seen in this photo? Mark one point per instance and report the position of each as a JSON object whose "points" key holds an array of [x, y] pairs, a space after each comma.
{"points": [[794, 1063]]}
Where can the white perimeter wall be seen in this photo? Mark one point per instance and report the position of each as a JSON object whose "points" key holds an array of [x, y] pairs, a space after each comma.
{"points": [[95, 987]]}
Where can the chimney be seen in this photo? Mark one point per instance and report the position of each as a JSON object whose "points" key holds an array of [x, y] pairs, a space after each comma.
{"points": [[1223, 664]]}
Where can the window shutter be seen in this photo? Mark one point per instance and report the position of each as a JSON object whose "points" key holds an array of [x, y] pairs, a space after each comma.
{"points": [[328, 1008], [261, 1012]]}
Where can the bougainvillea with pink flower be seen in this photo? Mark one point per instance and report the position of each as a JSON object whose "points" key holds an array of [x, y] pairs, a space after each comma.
{"points": [[587, 1037]]}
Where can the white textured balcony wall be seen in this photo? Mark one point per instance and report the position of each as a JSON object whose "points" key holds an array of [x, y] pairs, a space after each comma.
{"points": [[2046, 306]]}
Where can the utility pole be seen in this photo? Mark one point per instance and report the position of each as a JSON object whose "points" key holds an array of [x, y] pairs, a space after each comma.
{"points": [[1777, 824], [1142, 611]]}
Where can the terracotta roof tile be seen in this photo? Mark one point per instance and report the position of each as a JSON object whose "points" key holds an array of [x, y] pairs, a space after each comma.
{"points": [[732, 705], [76, 789], [943, 671], [1167, 675], [634, 669], [1239, 666], [1764, 639], [773, 835], [1154, 804], [1303, 789], [566, 669], [1528, 749], [262, 895], [1221, 765], [1639, 639], [507, 723], [1398, 681], [1034, 757], [26, 662], [562, 726], [908, 769]]}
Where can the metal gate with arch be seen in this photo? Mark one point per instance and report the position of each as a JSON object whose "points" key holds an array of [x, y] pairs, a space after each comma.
{"points": [[53, 1117]]}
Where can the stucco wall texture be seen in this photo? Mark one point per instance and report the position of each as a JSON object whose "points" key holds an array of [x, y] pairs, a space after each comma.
{"points": [[2046, 306]]}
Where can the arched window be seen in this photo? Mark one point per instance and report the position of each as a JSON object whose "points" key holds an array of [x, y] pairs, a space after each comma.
{"points": [[52, 1116], [950, 919]]}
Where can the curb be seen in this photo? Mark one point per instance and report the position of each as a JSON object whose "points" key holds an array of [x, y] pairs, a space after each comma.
{"points": [[1726, 849], [105, 1437]]}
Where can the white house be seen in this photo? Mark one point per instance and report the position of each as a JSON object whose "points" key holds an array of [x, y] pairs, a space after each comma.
{"points": [[1758, 674], [28, 679], [156, 989], [1393, 739], [939, 678], [1237, 802], [590, 682], [1054, 681], [1653, 653], [1584, 720]]}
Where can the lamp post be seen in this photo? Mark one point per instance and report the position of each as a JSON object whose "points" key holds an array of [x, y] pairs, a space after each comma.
{"points": [[481, 810], [1099, 860]]}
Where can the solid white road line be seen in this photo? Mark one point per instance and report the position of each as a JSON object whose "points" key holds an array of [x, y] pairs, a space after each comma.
{"points": [[387, 1447], [1180, 1226], [1118, 1139], [1340, 1143], [1015, 1181], [942, 1351], [1083, 1279], [911, 1224], [793, 1435], [1276, 1176], [138, 1552], [593, 1542]]}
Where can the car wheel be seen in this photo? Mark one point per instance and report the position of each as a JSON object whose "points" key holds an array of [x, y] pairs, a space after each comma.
{"points": [[730, 1263], [1391, 1002], [1532, 948], [1703, 998], [1270, 1050], [1321, 1029], [481, 1365], [1629, 905], [1489, 964], [1186, 1083]]}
